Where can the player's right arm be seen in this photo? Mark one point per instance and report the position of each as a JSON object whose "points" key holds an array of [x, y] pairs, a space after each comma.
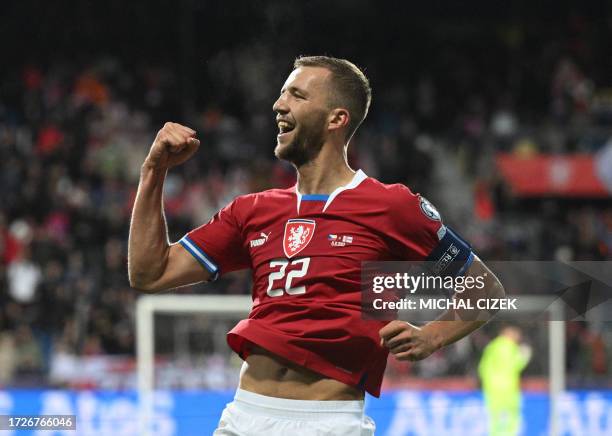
{"points": [[153, 263]]}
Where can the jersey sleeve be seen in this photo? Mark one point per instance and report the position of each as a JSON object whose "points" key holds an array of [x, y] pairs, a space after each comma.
{"points": [[218, 245], [418, 234]]}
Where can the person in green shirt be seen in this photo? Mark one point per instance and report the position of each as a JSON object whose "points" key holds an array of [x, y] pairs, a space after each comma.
{"points": [[500, 367]]}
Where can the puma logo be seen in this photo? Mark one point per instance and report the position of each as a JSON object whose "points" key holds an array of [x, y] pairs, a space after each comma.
{"points": [[260, 241]]}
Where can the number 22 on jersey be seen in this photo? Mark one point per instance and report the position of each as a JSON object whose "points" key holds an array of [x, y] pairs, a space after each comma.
{"points": [[275, 276]]}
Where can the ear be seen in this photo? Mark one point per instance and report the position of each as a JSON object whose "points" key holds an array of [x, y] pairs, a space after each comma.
{"points": [[338, 119]]}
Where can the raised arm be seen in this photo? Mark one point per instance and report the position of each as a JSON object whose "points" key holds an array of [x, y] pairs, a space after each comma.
{"points": [[153, 263]]}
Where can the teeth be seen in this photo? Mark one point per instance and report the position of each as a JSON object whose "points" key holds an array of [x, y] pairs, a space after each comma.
{"points": [[284, 126]]}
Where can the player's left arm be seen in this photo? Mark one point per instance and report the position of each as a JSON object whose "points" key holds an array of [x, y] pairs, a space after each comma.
{"points": [[409, 342]]}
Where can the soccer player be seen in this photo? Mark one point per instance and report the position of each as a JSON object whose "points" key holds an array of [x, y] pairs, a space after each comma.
{"points": [[500, 367], [309, 356]]}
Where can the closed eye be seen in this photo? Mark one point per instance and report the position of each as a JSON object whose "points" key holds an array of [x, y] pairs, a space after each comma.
{"points": [[295, 92]]}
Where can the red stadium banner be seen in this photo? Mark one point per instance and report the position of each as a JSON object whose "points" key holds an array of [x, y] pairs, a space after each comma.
{"points": [[551, 175]]}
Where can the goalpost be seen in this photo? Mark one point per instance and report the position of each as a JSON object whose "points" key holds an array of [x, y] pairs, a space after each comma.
{"points": [[149, 305], [146, 308]]}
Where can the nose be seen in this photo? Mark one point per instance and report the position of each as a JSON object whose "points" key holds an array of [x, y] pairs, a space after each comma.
{"points": [[280, 105]]}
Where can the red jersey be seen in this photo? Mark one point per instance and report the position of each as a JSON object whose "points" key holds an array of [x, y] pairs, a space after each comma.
{"points": [[305, 253]]}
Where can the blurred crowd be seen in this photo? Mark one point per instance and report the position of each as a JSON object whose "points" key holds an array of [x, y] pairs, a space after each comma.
{"points": [[73, 137]]}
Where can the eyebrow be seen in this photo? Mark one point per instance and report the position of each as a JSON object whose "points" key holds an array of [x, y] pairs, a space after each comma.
{"points": [[294, 89]]}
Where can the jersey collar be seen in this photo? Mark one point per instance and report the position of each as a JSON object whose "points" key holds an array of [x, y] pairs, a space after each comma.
{"points": [[359, 177]]}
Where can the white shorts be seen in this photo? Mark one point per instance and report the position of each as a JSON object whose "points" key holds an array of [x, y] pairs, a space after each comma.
{"points": [[252, 414]]}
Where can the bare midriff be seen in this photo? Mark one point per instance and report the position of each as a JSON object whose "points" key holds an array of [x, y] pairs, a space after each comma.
{"points": [[267, 374]]}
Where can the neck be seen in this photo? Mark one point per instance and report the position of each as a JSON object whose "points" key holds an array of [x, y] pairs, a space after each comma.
{"points": [[328, 171]]}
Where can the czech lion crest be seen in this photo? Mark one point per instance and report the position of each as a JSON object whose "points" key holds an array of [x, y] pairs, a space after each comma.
{"points": [[298, 233]]}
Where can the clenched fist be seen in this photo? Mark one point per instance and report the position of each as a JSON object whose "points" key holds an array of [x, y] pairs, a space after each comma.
{"points": [[173, 145], [406, 341]]}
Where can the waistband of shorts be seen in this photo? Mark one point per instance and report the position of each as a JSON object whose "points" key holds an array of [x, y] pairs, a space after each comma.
{"points": [[303, 409]]}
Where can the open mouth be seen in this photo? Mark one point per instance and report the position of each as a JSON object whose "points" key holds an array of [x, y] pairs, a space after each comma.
{"points": [[284, 127]]}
